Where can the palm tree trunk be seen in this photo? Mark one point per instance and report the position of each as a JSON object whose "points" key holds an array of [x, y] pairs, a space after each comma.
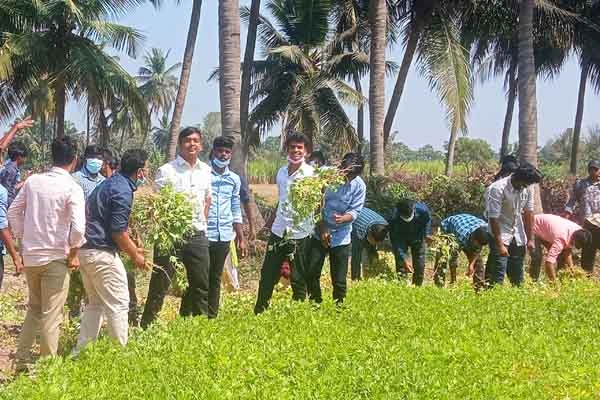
{"points": [[527, 93], [247, 80], [184, 80], [377, 22], [43, 134], [122, 142], [87, 126], [61, 100], [360, 115], [409, 54], [585, 70], [510, 107], [229, 79], [450, 155], [527, 85]]}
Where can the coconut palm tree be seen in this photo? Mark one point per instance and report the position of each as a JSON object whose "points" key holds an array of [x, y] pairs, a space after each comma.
{"points": [[229, 80], [377, 23], [587, 46], [160, 134], [61, 41], [157, 80], [184, 79], [301, 80]]}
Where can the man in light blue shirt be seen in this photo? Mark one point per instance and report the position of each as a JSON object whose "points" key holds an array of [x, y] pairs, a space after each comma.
{"points": [[224, 222], [89, 176], [332, 235]]}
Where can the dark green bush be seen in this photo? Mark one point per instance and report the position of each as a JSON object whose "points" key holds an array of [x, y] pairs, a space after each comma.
{"points": [[383, 194], [453, 195], [388, 342]]}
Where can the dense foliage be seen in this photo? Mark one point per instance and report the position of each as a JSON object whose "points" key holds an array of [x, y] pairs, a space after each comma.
{"points": [[389, 341]]}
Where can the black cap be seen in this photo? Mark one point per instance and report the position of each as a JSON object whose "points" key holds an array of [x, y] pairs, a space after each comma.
{"points": [[594, 164]]}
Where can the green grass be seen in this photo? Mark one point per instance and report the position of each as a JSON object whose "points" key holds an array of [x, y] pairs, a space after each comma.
{"points": [[264, 170], [388, 342]]}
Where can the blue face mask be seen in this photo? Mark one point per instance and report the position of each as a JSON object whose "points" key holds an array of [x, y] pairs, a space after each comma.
{"points": [[93, 165], [139, 182], [220, 164]]}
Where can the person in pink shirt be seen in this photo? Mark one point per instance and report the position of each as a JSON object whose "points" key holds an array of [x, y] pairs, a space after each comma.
{"points": [[558, 235], [48, 214]]}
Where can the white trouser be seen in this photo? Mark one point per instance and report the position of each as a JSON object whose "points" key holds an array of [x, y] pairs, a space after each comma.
{"points": [[105, 282]]}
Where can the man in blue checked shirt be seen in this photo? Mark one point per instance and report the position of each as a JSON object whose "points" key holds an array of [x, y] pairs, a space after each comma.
{"points": [[332, 235], [472, 234], [368, 230], [410, 228], [224, 218]]}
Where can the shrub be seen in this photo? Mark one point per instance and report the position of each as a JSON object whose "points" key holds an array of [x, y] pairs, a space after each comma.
{"points": [[453, 195], [383, 194], [387, 342]]}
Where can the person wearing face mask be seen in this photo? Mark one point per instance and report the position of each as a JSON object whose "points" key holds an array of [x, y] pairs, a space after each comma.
{"points": [[411, 229], [224, 218], [186, 174], [286, 236], [103, 273], [89, 176], [50, 199], [509, 208], [332, 235]]}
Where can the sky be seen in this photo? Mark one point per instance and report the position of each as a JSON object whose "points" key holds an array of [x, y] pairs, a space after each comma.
{"points": [[420, 119]]}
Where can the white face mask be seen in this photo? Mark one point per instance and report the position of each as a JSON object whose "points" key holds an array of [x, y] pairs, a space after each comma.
{"points": [[295, 162]]}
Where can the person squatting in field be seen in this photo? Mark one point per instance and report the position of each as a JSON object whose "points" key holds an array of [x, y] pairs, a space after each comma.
{"points": [[288, 242]]}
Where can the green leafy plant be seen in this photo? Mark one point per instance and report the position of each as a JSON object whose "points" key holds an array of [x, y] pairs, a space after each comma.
{"points": [[383, 194], [162, 220], [307, 194], [443, 246]]}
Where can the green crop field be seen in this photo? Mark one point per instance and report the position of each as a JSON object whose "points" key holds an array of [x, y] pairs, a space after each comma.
{"points": [[389, 341]]}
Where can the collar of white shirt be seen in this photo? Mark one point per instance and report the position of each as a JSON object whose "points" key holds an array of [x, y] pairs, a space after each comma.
{"points": [[181, 162]]}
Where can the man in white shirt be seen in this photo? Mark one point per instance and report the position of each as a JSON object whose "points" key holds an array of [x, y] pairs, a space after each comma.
{"points": [[289, 243], [191, 176], [509, 208], [48, 215]]}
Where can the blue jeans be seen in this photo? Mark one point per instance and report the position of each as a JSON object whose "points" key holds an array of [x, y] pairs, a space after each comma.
{"points": [[497, 266]]}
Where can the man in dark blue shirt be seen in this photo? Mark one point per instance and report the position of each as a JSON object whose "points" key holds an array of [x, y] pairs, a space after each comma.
{"points": [[10, 176], [104, 277], [410, 228]]}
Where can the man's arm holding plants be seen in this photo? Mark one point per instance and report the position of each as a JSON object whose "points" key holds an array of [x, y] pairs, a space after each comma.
{"points": [[119, 225], [236, 211], [8, 137]]}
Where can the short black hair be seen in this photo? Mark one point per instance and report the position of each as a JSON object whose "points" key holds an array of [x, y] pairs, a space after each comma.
{"points": [[481, 235], [64, 151], [223, 141], [190, 130], [354, 163], [296, 137], [405, 207], [581, 238], [318, 156], [508, 165], [114, 163], [379, 231], [93, 151], [133, 160], [527, 174], [16, 150]]}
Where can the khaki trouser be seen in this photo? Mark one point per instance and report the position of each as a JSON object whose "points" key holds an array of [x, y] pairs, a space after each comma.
{"points": [[48, 287], [105, 282]]}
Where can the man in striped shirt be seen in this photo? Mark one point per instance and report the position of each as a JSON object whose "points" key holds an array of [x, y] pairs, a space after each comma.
{"points": [[472, 234], [368, 230]]}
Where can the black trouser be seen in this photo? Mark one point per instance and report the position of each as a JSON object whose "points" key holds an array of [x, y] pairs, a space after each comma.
{"points": [[133, 300], [439, 277], [338, 266], [218, 253], [195, 257], [418, 248], [357, 251], [1, 270], [588, 257], [271, 270]]}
